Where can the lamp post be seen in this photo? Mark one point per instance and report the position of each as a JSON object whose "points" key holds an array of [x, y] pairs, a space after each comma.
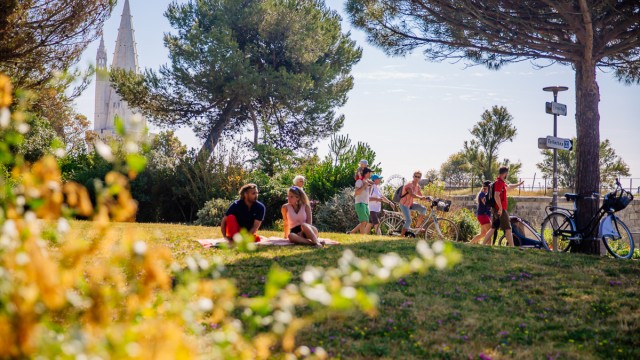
{"points": [[554, 199]]}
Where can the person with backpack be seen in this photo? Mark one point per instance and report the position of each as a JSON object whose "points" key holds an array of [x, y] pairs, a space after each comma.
{"points": [[412, 191], [497, 198], [483, 214]]}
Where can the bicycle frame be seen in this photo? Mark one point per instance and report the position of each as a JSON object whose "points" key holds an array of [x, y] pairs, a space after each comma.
{"points": [[595, 220]]}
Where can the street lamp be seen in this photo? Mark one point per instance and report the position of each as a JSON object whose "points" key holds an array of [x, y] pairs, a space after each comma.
{"points": [[551, 110]]}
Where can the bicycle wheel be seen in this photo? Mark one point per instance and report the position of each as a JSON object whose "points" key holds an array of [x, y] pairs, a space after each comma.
{"points": [[390, 224], [621, 245], [560, 225], [448, 229]]}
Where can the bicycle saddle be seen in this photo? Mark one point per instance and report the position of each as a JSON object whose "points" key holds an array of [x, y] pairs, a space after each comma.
{"points": [[571, 197]]}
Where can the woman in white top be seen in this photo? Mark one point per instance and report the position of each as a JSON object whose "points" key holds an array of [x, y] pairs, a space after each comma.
{"points": [[298, 219]]}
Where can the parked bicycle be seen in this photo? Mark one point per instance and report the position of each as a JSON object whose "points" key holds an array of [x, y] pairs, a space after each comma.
{"points": [[432, 228], [561, 224]]}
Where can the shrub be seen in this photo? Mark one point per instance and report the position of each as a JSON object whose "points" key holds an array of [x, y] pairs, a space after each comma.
{"points": [[467, 223], [212, 212], [338, 214]]}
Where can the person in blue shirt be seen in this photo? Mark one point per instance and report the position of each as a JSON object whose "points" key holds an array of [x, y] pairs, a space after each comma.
{"points": [[483, 214], [245, 213]]}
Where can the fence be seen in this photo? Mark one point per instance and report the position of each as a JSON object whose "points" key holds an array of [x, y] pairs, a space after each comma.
{"points": [[538, 186]]}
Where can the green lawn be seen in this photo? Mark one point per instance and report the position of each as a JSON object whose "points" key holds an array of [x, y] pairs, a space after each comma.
{"points": [[500, 302]]}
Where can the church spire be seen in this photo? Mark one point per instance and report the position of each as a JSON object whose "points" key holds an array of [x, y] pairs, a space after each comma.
{"points": [[101, 56], [125, 55]]}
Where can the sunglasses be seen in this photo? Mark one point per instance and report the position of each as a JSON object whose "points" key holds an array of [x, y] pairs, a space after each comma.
{"points": [[417, 176]]}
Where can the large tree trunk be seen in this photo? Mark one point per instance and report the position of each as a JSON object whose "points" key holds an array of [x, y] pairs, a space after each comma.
{"points": [[588, 169], [215, 132]]}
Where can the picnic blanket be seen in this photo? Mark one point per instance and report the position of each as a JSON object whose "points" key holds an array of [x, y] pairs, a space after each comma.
{"points": [[264, 241]]}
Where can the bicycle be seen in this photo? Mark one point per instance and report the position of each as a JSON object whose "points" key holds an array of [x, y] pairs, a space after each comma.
{"points": [[560, 223], [434, 227]]}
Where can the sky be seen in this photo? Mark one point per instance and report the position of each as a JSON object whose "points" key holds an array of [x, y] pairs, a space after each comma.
{"points": [[415, 113]]}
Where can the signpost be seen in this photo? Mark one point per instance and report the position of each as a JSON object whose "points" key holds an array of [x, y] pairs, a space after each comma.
{"points": [[556, 109], [558, 143]]}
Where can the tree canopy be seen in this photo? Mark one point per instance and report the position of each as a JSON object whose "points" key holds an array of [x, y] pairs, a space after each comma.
{"points": [[41, 37], [280, 68], [585, 34]]}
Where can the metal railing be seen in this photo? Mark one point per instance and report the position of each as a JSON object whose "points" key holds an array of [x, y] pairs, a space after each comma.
{"points": [[538, 186]]}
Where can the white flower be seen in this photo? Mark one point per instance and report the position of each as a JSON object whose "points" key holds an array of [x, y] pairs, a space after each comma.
{"points": [[390, 260], [205, 304], [438, 246], [63, 226], [9, 228], [348, 292], [104, 150], [30, 216], [5, 117], [140, 247], [441, 261], [131, 147], [304, 350], [22, 258], [133, 349], [59, 152], [321, 353], [282, 316], [23, 128]]}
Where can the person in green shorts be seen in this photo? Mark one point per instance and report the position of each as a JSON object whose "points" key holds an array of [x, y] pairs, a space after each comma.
{"points": [[362, 202]]}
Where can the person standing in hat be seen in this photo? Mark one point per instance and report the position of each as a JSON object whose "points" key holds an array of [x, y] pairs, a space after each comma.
{"points": [[376, 198]]}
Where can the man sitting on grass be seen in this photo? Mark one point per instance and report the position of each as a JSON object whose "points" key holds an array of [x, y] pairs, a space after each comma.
{"points": [[246, 213]]}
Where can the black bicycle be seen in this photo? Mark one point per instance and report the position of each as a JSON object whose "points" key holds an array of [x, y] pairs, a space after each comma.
{"points": [[560, 224]]}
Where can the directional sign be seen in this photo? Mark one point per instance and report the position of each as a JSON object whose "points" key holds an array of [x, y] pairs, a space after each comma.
{"points": [[555, 108], [542, 143], [559, 143]]}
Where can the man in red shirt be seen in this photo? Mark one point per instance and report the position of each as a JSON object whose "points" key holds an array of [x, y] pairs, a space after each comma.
{"points": [[500, 217]]}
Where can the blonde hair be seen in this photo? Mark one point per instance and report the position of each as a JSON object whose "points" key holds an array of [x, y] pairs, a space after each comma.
{"points": [[417, 172], [298, 178], [297, 191]]}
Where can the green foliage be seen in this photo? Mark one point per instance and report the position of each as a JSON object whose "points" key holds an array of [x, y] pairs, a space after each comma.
{"points": [[281, 67], [611, 165], [511, 204], [212, 212], [456, 171], [338, 168], [338, 214], [467, 224], [494, 129], [435, 189]]}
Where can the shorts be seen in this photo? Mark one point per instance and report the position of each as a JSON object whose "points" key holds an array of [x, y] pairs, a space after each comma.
{"points": [[362, 210], [484, 219], [501, 221], [296, 229], [419, 209], [374, 217]]}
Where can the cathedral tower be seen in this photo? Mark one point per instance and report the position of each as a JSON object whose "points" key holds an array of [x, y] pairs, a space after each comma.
{"points": [[108, 102]]}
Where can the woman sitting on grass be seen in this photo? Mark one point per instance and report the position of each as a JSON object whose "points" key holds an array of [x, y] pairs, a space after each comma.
{"points": [[297, 219]]}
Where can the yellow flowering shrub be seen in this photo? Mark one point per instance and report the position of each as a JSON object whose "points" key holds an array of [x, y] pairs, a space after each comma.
{"points": [[66, 295]]}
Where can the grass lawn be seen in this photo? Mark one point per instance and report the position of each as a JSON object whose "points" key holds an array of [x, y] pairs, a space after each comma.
{"points": [[500, 302]]}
